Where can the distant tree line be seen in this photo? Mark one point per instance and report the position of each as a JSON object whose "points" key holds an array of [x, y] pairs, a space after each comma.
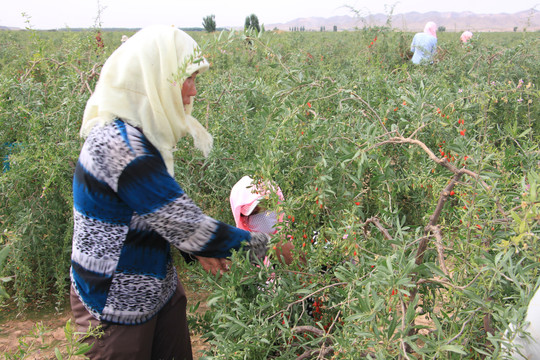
{"points": [[251, 23], [303, 28]]}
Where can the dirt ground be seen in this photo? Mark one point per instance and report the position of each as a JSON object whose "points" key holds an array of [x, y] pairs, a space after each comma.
{"points": [[18, 330], [15, 332]]}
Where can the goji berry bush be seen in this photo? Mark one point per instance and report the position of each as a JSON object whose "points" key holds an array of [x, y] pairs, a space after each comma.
{"points": [[411, 192]]}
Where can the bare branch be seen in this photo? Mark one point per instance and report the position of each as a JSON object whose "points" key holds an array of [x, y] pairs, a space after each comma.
{"points": [[307, 297], [371, 109], [447, 283], [440, 250], [309, 353], [334, 322], [308, 329], [441, 161], [462, 329], [375, 221]]}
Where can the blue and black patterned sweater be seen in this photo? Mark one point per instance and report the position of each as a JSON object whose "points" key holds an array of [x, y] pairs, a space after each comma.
{"points": [[128, 210]]}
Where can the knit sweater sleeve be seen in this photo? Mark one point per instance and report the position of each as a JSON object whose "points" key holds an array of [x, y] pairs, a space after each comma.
{"points": [[147, 187]]}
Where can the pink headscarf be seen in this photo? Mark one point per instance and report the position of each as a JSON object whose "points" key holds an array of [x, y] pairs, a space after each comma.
{"points": [[431, 28], [245, 196], [466, 36]]}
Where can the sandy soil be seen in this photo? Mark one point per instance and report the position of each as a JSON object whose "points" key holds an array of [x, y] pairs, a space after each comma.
{"points": [[15, 332]]}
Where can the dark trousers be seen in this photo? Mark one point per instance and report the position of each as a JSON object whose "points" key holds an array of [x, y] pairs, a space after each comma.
{"points": [[164, 337]]}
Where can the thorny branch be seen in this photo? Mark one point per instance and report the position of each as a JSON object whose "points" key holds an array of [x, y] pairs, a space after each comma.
{"points": [[307, 297], [436, 231], [462, 329], [375, 221], [85, 76], [447, 283], [322, 352], [441, 161], [325, 342], [371, 109], [432, 229]]}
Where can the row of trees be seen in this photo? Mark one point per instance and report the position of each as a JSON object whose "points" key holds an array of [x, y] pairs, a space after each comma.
{"points": [[251, 23], [303, 28]]}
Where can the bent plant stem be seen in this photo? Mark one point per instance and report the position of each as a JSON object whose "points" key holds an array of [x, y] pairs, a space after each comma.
{"points": [[85, 77], [432, 229], [325, 343], [301, 300], [370, 109], [376, 221]]}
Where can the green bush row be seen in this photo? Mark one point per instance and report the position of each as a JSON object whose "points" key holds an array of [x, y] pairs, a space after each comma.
{"points": [[377, 156]]}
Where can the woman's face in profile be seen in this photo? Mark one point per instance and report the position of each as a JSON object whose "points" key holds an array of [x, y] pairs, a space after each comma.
{"points": [[189, 89]]}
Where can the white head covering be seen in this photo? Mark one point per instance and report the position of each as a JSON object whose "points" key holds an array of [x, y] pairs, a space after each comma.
{"points": [[141, 84], [431, 28]]}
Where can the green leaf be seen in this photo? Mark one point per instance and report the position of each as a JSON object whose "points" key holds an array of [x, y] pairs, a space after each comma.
{"points": [[4, 254], [435, 269], [392, 327], [83, 349], [3, 293], [458, 349], [524, 133]]}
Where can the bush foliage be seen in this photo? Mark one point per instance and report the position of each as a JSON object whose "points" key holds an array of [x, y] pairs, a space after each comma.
{"points": [[411, 190]]}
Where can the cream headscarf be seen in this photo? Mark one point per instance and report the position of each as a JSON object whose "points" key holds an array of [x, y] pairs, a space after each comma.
{"points": [[431, 28], [141, 84]]}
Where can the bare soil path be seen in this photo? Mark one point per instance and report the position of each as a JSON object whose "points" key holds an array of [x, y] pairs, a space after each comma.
{"points": [[21, 335]]}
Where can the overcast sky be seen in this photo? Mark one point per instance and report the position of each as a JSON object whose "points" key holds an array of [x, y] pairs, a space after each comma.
{"points": [[52, 14]]}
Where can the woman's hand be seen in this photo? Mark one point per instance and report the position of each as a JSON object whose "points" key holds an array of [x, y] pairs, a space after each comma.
{"points": [[284, 253], [214, 265]]}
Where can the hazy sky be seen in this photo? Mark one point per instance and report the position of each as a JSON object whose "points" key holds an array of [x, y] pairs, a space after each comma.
{"points": [[51, 14]]}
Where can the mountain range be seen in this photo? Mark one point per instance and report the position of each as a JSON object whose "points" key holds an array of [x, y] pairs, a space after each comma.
{"points": [[528, 20]]}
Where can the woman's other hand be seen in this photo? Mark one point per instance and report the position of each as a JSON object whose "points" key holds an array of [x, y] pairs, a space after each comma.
{"points": [[214, 265]]}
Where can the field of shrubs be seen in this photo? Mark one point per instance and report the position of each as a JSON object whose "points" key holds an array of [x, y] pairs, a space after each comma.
{"points": [[412, 191]]}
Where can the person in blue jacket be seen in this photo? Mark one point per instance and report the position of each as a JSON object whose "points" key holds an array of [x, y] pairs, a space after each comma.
{"points": [[129, 211], [424, 44]]}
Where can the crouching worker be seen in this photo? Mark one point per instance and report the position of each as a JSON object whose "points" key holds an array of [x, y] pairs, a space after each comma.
{"points": [[128, 208], [250, 214]]}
